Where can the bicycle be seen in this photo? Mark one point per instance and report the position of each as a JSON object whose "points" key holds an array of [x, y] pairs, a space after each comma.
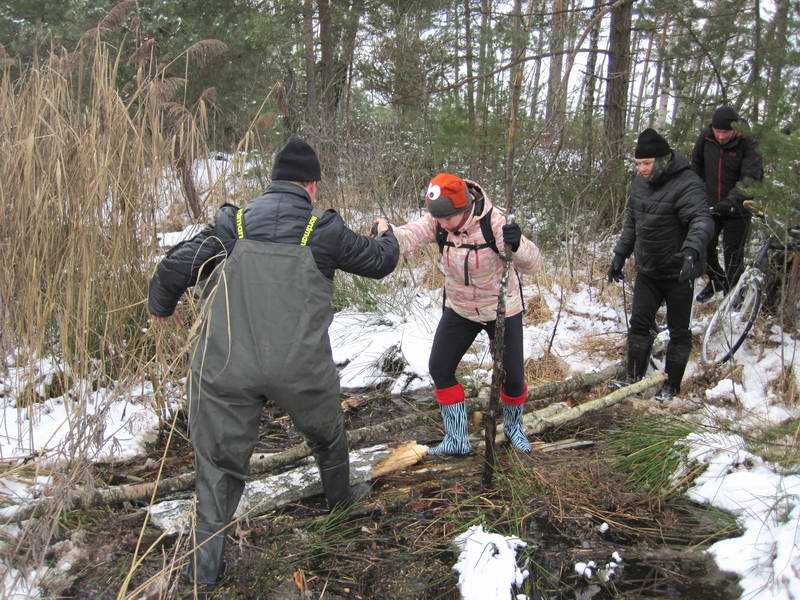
{"points": [[734, 318]]}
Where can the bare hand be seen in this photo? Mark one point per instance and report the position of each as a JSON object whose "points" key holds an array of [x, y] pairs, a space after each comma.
{"points": [[161, 322], [381, 226]]}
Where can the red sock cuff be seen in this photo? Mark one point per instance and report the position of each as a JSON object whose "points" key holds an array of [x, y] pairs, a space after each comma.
{"points": [[514, 400], [450, 395]]}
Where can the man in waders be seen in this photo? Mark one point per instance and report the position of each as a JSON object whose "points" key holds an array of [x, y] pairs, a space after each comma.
{"points": [[265, 336]]}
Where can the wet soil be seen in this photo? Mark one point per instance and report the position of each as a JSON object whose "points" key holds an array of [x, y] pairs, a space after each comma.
{"points": [[398, 545]]}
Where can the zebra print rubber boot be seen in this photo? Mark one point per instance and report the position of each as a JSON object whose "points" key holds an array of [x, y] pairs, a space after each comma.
{"points": [[512, 425], [456, 437], [512, 419]]}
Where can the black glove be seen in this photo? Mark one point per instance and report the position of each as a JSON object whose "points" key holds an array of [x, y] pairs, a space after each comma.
{"points": [[615, 270], [687, 268], [723, 208], [512, 236], [373, 233]]}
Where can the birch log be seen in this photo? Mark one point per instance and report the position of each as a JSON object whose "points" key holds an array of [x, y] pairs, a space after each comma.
{"points": [[264, 463], [263, 495]]}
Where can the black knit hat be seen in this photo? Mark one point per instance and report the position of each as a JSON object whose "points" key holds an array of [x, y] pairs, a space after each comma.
{"points": [[723, 117], [651, 145], [296, 161]]}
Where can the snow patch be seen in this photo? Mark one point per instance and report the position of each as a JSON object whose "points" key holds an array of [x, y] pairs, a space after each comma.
{"points": [[487, 565]]}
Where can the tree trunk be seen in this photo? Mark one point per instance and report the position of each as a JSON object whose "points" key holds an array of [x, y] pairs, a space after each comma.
{"points": [[555, 103], [755, 72], [637, 37], [519, 43], [344, 66], [470, 83], [637, 119], [662, 58], [777, 62], [537, 74], [311, 61], [588, 99], [486, 7], [616, 101]]}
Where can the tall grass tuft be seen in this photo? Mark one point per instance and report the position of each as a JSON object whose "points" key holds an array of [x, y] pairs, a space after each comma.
{"points": [[81, 191]]}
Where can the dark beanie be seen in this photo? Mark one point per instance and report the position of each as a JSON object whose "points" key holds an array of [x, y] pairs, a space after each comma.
{"points": [[723, 117], [651, 145], [296, 161]]}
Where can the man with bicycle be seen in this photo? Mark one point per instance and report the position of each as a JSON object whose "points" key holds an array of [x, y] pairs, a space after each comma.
{"points": [[723, 157], [667, 226]]}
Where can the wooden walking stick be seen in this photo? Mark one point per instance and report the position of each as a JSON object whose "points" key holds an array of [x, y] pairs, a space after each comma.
{"points": [[498, 373]]}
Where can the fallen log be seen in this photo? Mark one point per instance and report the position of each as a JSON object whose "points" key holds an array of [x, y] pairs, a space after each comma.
{"points": [[536, 424], [267, 494], [81, 499], [264, 495]]}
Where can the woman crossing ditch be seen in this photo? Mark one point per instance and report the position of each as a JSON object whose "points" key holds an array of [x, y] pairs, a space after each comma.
{"points": [[472, 234]]}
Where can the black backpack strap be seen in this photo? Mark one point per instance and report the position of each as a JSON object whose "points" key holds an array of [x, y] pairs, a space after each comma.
{"points": [[441, 237], [487, 232]]}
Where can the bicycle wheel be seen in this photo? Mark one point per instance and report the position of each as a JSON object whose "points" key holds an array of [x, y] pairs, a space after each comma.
{"points": [[733, 320]]}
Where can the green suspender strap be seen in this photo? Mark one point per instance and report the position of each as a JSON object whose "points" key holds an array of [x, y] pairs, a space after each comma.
{"points": [[316, 215], [240, 232]]}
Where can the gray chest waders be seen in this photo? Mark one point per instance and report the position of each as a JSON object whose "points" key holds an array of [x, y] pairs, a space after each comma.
{"points": [[264, 336]]}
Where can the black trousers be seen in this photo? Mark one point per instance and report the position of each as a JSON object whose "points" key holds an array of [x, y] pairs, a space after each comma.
{"points": [[648, 294], [455, 335], [734, 239]]}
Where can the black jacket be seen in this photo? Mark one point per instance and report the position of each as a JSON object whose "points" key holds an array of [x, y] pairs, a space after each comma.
{"points": [[663, 218], [721, 167], [281, 216]]}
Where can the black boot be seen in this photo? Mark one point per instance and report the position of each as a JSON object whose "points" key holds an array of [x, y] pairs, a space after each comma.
{"points": [[675, 366], [712, 287], [336, 485], [639, 347], [667, 393], [208, 558], [333, 462]]}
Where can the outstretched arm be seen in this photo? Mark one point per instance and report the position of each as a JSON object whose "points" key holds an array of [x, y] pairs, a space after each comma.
{"points": [[415, 234], [365, 256], [184, 265]]}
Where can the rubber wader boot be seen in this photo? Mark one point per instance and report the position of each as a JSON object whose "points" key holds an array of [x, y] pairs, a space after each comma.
{"points": [[333, 462], [336, 485], [456, 437], [208, 557]]}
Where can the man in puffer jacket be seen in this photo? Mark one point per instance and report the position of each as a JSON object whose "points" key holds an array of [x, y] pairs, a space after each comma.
{"points": [[723, 157], [472, 269], [667, 227], [265, 335]]}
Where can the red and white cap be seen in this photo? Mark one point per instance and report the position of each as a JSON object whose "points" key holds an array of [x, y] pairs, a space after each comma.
{"points": [[447, 195]]}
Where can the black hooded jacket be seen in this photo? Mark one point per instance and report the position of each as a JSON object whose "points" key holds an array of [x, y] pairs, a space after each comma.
{"points": [[721, 167], [664, 217], [280, 215]]}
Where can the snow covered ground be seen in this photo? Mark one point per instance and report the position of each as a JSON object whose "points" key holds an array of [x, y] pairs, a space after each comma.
{"points": [[765, 500]]}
